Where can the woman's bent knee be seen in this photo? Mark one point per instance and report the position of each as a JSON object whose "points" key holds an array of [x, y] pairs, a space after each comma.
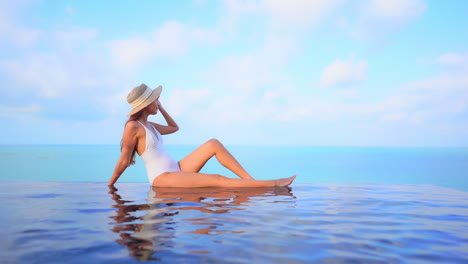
{"points": [[214, 143]]}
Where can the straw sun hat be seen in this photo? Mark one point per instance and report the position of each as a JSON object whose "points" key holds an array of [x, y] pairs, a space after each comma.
{"points": [[141, 96]]}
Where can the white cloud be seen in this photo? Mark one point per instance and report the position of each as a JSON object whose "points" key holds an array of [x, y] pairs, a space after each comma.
{"points": [[242, 73], [249, 84], [131, 53], [399, 10], [182, 102], [250, 72], [289, 15], [199, 3], [72, 38], [171, 40], [434, 99], [378, 18], [70, 65], [40, 73], [114, 103], [18, 112], [341, 72], [54, 75], [70, 10], [24, 109], [234, 10], [210, 37], [298, 13], [454, 61], [438, 101], [365, 20], [11, 30]]}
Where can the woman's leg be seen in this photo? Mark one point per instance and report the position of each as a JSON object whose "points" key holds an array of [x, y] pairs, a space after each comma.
{"points": [[192, 179], [195, 161]]}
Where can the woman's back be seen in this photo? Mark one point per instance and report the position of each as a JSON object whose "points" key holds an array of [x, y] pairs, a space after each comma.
{"points": [[155, 157]]}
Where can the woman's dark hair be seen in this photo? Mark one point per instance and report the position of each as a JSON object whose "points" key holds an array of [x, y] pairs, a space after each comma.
{"points": [[132, 118]]}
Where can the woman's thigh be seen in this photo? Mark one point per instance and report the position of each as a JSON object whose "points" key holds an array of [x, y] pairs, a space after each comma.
{"points": [[195, 161], [188, 179], [193, 179]]}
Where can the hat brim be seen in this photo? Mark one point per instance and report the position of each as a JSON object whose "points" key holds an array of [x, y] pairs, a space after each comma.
{"points": [[153, 96]]}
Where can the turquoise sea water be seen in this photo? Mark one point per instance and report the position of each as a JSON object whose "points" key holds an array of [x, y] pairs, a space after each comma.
{"points": [[446, 167], [348, 205]]}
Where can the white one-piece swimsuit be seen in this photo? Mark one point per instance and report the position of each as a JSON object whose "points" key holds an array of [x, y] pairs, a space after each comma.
{"points": [[155, 157]]}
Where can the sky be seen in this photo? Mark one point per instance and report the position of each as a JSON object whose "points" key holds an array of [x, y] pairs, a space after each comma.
{"points": [[270, 72]]}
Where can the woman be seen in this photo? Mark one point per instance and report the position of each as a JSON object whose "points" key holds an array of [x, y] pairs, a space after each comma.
{"points": [[145, 138]]}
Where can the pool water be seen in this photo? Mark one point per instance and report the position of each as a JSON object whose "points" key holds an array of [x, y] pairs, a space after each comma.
{"points": [[89, 222]]}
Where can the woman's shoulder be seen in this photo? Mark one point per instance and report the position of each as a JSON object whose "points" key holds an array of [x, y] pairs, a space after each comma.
{"points": [[132, 126]]}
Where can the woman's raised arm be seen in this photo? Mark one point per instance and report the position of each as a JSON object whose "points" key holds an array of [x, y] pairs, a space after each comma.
{"points": [[129, 142], [171, 124]]}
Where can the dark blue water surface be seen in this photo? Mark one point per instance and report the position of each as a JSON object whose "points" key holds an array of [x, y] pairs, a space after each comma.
{"points": [[88, 222]]}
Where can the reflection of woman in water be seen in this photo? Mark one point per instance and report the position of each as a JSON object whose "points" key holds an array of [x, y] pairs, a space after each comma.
{"points": [[141, 238], [145, 138], [154, 231]]}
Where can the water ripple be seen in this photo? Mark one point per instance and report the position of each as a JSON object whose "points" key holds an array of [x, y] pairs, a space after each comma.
{"points": [[307, 224]]}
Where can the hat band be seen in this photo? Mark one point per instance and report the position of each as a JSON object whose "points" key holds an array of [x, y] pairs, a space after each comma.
{"points": [[141, 99]]}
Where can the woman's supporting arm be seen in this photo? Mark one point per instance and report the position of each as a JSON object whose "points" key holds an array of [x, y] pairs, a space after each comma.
{"points": [[129, 142]]}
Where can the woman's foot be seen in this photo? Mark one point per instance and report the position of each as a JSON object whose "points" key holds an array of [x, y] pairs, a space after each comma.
{"points": [[285, 181]]}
